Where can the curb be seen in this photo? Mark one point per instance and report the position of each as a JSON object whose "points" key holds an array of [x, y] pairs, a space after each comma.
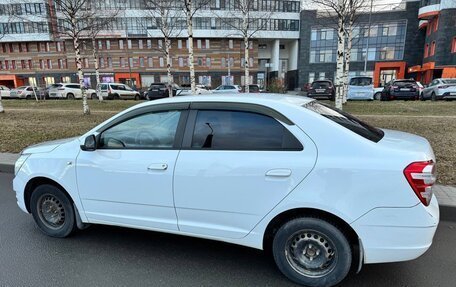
{"points": [[447, 212]]}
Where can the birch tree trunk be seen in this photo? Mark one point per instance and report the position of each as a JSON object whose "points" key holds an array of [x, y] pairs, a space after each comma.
{"points": [[246, 65], [168, 66], [2, 110], [347, 60], [97, 68], [85, 106], [189, 15], [340, 59]]}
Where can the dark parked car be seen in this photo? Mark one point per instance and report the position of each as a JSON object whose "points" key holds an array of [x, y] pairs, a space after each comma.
{"points": [[252, 89], [158, 91], [401, 90], [322, 89]]}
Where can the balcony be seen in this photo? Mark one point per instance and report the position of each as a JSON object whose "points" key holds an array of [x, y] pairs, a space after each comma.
{"points": [[429, 9]]}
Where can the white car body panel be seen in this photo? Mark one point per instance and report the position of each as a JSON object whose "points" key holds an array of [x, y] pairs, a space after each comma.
{"points": [[360, 93], [221, 195], [5, 92]]}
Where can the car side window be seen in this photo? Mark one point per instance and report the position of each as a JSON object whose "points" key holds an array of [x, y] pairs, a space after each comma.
{"points": [[148, 131], [104, 87], [237, 130]]}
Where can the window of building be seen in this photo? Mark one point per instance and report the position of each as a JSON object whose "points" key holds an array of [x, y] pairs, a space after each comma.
{"points": [[49, 64], [432, 52], [122, 62], [23, 65], [13, 64], [30, 64], [109, 59], [160, 44], [149, 44], [235, 130], [121, 44], [86, 62], [321, 75], [49, 81], [60, 63], [140, 44], [48, 47], [179, 44], [108, 45], [102, 62], [198, 43], [181, 61], [66, 79], [311, 77], [141, 62], [223, 62], [453, 46], [208, 44], [131, 62], [426, 50], [162, 62], [150, 62], [208, 62], [129, 44], [436, 23], [100, 44], [200, 61], [230, 44]]}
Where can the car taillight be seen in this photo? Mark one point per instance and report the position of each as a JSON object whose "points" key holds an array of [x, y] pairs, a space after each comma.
{"points": [[443, 87], [421, 177]]}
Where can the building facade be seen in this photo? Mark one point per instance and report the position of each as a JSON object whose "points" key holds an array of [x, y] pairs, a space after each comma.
{"points": [[34, 51], [438, 22], [392, 44]]}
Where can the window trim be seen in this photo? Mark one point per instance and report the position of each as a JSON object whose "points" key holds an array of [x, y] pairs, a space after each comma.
{"points": [[182, 107], [191, 124]]}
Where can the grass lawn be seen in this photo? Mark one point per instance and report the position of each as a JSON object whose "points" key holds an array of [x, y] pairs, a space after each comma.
{"points": [[29, 122]]}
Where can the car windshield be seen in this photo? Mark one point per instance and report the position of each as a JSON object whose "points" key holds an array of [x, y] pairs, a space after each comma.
{"points": [[320, 85], [346, 120], [361, 81], [451, 82]]}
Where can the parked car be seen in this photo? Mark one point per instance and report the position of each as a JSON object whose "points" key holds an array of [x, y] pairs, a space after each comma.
{"points": [[253, 89], [360, 88], [117, 91], [420, 88], [186, 90], [5, 92], [159, 91], [25, 92], [322, 89], [401, 90], [440, 89], [378, 93], [69, 91], [227, 89], [257, 170]]}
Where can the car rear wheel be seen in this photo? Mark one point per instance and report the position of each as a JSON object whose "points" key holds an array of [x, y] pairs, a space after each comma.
{"points": [[312, 252], [433, 97], [136, 97], [94, 96], [378, 96], [70, 96], [52, 211]]}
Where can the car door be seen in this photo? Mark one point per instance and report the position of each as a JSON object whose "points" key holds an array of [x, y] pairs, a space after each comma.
{"points": [[234, 168], [128, 179]]}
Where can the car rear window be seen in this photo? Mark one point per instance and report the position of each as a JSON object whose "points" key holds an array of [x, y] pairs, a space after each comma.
{"points": [[346, 120], [404, 83], [362, 81], [320, 85]]}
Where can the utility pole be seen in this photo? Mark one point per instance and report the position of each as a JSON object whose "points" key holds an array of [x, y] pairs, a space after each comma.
{"points": [[368, 37]]}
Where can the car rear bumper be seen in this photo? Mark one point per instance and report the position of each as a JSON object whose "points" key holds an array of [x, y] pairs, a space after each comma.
{"points": [[319, 96], [449, 96], [397, 234], [405, 96]]}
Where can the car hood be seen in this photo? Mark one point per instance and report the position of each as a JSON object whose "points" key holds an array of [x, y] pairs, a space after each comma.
{"points": [[407, 143], [46, 146]]}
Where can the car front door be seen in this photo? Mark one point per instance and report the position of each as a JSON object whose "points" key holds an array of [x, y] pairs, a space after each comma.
{"points": [[234, 168], [128, 179]]}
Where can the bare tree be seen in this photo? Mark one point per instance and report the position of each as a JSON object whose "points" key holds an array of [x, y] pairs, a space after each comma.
{"points": [[75, 21], [247, 26], [190, 7], [166, 14], [98, 24]]}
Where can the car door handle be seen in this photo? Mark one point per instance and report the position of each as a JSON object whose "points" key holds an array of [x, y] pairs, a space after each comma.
{"points": [[158, 166], [282, 172]]}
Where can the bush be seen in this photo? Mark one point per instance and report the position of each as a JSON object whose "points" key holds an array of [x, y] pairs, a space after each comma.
{"points": [[277, 86]]}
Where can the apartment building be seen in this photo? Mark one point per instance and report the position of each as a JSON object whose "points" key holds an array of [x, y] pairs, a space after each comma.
{"points": [[34, 51]]}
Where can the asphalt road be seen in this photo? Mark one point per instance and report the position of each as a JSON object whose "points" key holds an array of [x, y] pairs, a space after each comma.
{"points": [[110, 256]]}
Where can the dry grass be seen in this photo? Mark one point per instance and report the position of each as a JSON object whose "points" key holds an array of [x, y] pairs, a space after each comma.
{"points": [[28, 122]]}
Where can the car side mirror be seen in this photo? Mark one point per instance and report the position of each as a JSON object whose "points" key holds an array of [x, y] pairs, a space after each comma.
{"points": [[90, 143]]}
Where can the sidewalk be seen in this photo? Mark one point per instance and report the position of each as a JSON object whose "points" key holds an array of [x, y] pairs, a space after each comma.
{"points": [[446, 195]]}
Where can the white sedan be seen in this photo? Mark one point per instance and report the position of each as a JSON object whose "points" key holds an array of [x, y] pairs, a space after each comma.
{"points": [[320, 189]]}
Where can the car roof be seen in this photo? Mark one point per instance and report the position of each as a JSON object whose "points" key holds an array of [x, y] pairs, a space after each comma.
{"points": [[263, 99]]}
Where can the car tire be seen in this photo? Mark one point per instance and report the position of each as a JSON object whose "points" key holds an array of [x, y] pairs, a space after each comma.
{"points": [[137, 98], [378, 96], [28, 97], [53, 211], [115, 97], [422, 97], [312, 252], [70, 96], [94, 96], [433, 97]]}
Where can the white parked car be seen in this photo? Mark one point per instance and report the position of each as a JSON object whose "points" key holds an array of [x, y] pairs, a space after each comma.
{"points": [[259, 171], [360, 88], [117, 91], [69, 91], [378, 93], [230, 89], [5, 92], [440, 89], [25, 92]]}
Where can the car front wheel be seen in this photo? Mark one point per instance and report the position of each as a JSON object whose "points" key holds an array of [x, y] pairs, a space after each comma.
{"points": [[52, 211], [312, 252], [378, 96]]}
